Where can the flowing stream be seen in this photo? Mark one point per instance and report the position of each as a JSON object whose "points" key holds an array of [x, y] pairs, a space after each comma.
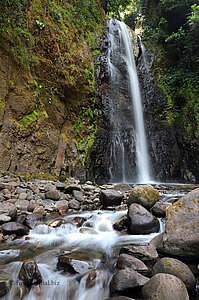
{"points": [[128, 137], [94, 243]]}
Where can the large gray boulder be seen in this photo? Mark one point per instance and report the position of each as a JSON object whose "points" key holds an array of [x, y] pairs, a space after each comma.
{"points": [[110, 197], [141, 221], [181, 237], [165, 287], [179, 269], [144, 195]]}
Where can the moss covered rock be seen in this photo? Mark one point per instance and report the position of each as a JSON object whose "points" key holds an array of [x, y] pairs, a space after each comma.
{"points": [[144, 195]]}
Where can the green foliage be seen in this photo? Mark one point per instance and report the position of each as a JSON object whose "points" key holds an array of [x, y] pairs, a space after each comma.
{"points": [[86, 122], [116, 7], [172, 27], [34, 117]]}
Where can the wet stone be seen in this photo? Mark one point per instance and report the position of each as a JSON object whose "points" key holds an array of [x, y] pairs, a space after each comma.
{"points": [[54, 195], [110, 197], [32, 220], [30, 274], [73, 266], [14, 227], [74, 204], [78, 195], [4, 219]]}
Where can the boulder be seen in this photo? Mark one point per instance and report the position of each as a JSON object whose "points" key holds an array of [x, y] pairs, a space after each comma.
{"points": [[72, 187], [30, 274], [144, 195], [14, 227], [145, 253], [141, 221], [159, 209], [179, 269], [127, 279], [181, 237], [53, 194], [165, 287], [128, 261], [110, 197]]}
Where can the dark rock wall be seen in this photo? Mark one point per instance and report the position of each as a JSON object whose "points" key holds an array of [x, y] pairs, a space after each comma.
{"points": [[172, 160]]}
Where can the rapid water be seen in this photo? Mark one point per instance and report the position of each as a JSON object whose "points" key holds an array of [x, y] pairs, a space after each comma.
{"points": [[96, 242], [128, 139]]}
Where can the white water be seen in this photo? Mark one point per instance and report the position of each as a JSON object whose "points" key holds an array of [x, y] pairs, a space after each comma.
{"points": [[141, 145], [101, 237]]}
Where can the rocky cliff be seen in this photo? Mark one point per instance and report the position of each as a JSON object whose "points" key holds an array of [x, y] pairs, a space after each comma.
{"points": [[47, 91]]}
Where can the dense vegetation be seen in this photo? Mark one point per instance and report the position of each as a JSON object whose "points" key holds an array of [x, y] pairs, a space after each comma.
{"points": [[171, 28]]}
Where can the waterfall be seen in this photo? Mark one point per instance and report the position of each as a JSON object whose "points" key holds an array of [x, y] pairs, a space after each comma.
{"points": [[127, 132]]}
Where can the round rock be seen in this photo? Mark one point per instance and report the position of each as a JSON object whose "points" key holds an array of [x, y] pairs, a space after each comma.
{"points": [[179, 269], [144, 195], [165, 287]]}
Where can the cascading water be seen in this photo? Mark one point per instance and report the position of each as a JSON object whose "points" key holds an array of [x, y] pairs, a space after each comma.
{"points": [[127, 133]]}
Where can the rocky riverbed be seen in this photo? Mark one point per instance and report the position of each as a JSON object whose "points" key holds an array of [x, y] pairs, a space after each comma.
{"points": [[66, 240]]}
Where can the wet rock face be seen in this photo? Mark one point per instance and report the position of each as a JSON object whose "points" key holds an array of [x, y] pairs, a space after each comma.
{"points": [[178, 240], [14, 227], [30, 274], [164, 287], [141, 221]]}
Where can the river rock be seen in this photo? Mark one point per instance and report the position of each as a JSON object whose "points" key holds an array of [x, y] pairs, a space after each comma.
{"points": [[122, 187], [91, 279], [4, 219], [72, 187], [159, 209], [73, 266], [32, 220], [30, 274], [127, 279], [128, 261], [179, 269], [39, 210], [54, 195], [110, 197], [121, 224], [181, 237], [74, 204], [12, 212], [22, 196], [14, 227], [145, 253], [165, 287], [78, 195], [141, 221], [144, 195]]}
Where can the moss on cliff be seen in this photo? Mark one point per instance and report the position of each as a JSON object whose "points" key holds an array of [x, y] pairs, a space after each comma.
{"points": [[49, 89]]}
